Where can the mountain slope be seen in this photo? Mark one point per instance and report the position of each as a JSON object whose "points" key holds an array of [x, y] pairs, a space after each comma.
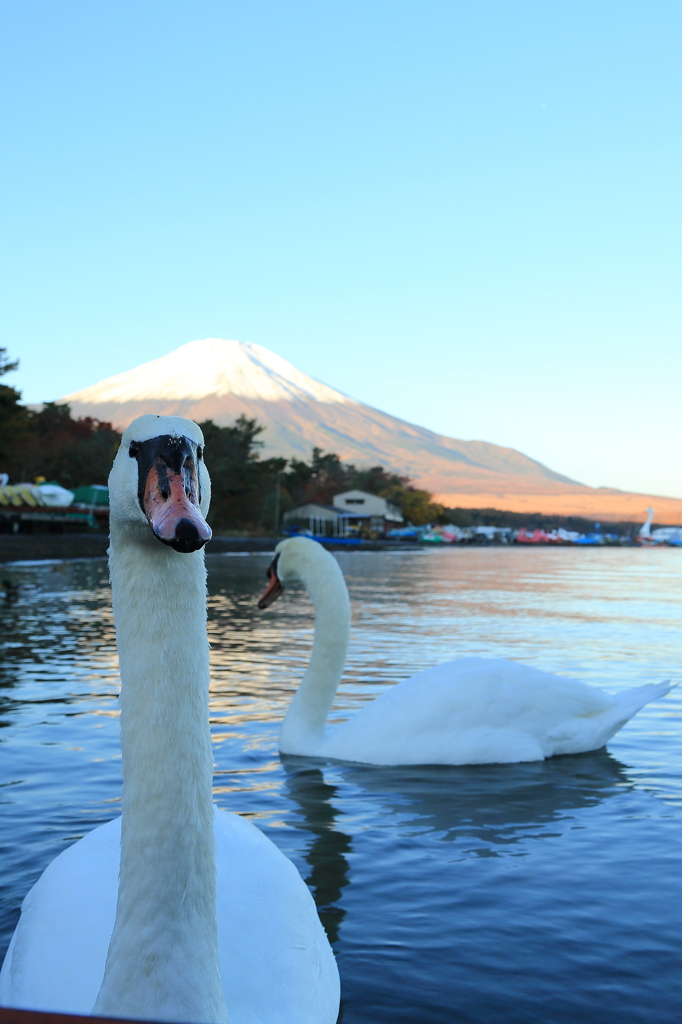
{"points": [[217, 379]]}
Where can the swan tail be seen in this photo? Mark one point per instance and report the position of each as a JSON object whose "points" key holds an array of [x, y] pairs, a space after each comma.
{"points": [[630, 701], [592, 731]]}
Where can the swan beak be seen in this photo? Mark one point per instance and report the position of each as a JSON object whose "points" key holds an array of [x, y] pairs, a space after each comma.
{"points": [[169, 490], [274, 587], [173, 516]]}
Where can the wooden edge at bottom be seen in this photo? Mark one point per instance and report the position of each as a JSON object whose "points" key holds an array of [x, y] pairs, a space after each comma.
{"points": [[9, 1016]]}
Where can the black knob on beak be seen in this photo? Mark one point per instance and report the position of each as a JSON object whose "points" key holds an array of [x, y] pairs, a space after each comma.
{"points": [[186, 537]]}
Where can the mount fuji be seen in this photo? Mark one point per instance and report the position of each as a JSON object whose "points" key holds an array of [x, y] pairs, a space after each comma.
{"points": [[217, 379]]}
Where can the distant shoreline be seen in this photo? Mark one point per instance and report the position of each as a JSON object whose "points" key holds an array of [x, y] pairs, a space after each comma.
{"points": [[67, 547]]}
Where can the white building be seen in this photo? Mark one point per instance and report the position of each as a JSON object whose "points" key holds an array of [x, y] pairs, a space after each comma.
{"points": [[369, 510]]}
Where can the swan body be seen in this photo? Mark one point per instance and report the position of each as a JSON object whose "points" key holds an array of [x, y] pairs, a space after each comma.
{"points": [[274, 959], [468, 711], [173, 912]]}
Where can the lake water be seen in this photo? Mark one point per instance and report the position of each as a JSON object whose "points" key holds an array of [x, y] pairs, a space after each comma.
{"points": [[548, 893]]}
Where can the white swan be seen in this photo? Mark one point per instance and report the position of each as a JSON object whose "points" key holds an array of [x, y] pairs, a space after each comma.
{"points": [[469, 711], [208, 916]]}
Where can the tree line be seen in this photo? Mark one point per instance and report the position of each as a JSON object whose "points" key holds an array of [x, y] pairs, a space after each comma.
{"points": [[246, 488], [49, 442]]}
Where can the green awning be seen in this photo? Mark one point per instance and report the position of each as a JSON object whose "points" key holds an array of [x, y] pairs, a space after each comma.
{"points": [[95, 495]]}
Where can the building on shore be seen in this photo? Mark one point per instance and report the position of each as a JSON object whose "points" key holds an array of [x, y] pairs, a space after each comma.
{"points": [[352, 513], [317, 519], [368, 511]]}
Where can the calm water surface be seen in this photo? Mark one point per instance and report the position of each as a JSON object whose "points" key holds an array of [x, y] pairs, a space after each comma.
{"points": [[546, 893]]}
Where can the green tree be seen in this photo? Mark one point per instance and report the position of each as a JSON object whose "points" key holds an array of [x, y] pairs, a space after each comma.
{"points": [[15, 424], [50, 442], [6, 365], [318, 481], [73, 452], [415, 504], [242, 484]]}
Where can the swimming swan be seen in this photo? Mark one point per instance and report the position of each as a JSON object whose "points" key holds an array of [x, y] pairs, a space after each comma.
{"points": [[208, 916], [468, 711]]}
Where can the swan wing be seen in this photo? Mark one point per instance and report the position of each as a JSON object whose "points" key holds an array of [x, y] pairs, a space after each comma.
{"points": [[57, 955], [470, 711], [276, 963]]}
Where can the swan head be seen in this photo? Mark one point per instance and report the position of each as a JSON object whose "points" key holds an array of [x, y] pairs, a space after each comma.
{"points": [[159, 481], [298, 558]]}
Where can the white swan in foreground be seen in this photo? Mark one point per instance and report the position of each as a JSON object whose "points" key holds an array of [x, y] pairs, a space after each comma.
{"points": [[469, 711], [209, 916]]}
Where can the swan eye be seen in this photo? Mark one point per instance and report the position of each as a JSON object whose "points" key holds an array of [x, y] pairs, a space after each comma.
{"points": [[200, 452], [133, 451]]}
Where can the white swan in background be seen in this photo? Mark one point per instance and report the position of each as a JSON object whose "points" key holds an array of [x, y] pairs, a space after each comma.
{"points": [[468, 711], [209, 916], [645, 529]]}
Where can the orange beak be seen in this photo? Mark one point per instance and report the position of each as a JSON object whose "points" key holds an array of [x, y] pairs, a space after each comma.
{"points": [[274, 587]]}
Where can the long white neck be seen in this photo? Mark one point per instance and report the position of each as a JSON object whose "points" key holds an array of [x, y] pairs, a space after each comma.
{"points": [[302, 730], [162, 962], [645, 530]]}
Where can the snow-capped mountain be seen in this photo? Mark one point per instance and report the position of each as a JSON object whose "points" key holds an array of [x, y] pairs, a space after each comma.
{"points": [[212, 368], [217, 379]]}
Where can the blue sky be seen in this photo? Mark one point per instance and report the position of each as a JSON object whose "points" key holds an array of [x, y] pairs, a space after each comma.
{"points": [[465, 214]]}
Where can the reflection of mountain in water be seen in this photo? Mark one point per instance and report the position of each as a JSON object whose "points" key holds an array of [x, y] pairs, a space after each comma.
{"points": [[496, 805], [326, 856]]}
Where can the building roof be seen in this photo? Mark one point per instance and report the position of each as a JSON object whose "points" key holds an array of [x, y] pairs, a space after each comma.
{"points": [[316, 509], [363, 505]]}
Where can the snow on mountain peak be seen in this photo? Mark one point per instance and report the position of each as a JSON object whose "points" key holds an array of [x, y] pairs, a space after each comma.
{"points": [[213, 366]]}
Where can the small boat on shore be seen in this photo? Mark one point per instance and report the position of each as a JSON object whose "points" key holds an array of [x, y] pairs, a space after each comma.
{"points": [[670, 535]]}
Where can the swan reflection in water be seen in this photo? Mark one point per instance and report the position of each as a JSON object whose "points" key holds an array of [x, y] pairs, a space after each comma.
{"points": [[326, 856], [496, 805]]}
